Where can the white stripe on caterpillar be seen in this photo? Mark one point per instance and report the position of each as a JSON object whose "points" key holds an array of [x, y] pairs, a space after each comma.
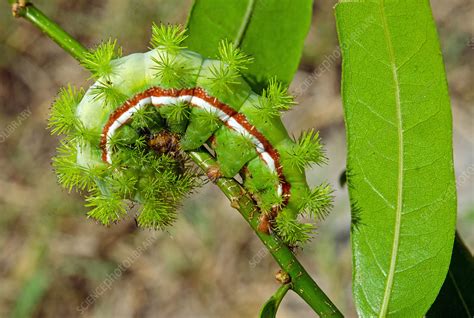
{"points": [[199, 103]]}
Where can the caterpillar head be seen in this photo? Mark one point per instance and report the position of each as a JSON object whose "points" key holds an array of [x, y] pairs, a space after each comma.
{"points": [[127, 136]]}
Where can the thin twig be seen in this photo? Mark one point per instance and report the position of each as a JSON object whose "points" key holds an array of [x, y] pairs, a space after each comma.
{"points": [[50, 28]]}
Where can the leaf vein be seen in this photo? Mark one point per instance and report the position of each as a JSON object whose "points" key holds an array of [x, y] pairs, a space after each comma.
{"points": [[373, 111], [398, 212]]}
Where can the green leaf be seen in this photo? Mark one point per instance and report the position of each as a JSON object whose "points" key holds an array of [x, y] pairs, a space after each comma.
{"points": [[270, 31], [456, 298], [30, 295], [270, 308], [400, 161]]}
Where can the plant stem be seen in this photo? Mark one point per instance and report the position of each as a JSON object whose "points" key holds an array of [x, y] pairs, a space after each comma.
{"points": [[301, 282], [51, 29]]}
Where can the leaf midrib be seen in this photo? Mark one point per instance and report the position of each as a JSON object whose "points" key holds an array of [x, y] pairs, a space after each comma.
{"points": [[398, 210], [245, 23]]}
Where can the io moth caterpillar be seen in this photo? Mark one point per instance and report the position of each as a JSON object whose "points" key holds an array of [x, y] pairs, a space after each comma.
{"points": [[128, 134]]}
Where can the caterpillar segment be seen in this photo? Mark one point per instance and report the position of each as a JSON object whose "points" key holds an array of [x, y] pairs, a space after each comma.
{"points": [[147, 109]]}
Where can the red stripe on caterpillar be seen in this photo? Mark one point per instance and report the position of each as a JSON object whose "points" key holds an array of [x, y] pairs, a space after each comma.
{"points": [[116, 120]]}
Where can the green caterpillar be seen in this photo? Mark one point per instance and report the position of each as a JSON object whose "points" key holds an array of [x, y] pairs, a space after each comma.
{"points": [[127, 135]]}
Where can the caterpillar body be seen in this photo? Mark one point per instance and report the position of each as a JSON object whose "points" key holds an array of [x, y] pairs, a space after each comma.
{"points": [[130, 131]]}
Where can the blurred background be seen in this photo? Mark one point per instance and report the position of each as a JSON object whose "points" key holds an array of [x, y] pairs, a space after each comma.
{"points": [[55, 262]]}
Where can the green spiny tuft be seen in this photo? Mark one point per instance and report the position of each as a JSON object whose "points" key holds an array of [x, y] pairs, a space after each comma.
{"points": [[291, 231], [268, 200], [173, 71], [106, 208], [308, 150], [158, 181], [275, 99], [156, 214], [147, 117], [124, 137], [169, 37], [108, 94], [223, 78], [243, 142], [233, 57], [123, 183], [208, 118], [69, 173], [63, 118], [98, 60], [84, 134], [318, 201], [227, 72], [177, 112]]}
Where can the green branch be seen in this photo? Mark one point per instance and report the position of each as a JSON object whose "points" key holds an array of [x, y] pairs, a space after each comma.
{"points": [[301, 282], [50, 28]]}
